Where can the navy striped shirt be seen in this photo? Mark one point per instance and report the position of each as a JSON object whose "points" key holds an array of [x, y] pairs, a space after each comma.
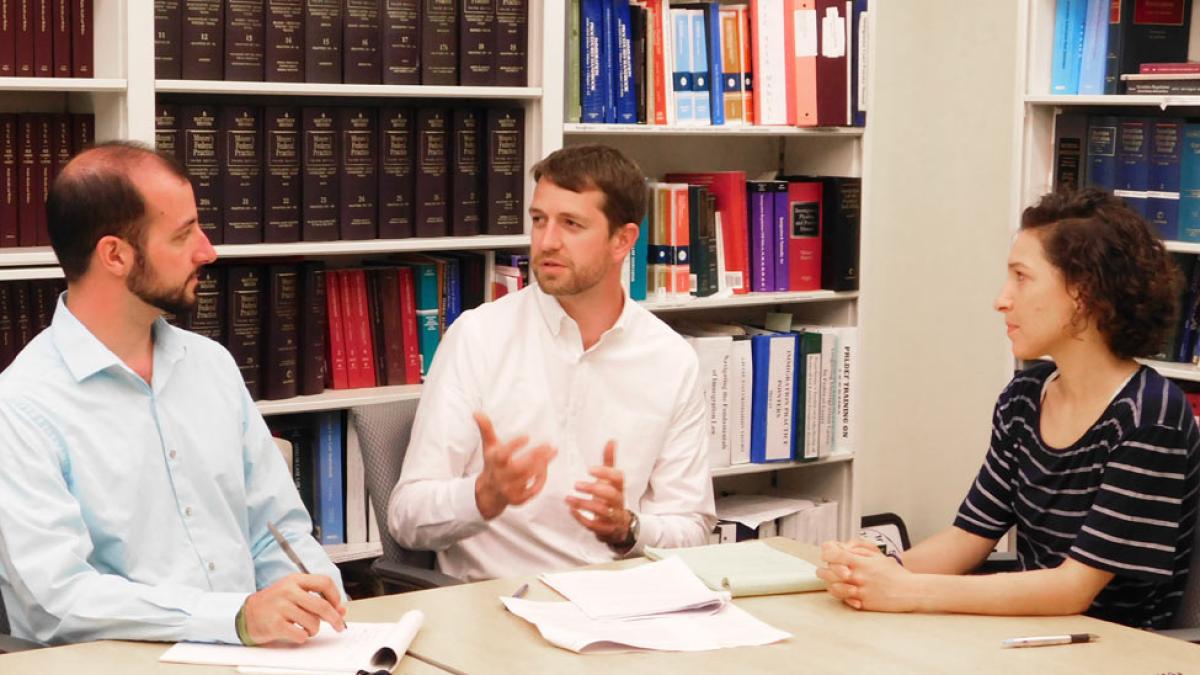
{"points": [[1122, 498]]}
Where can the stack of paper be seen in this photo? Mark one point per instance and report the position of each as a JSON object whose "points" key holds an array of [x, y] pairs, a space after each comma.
{"points": [[749, 568], [660, 605]]}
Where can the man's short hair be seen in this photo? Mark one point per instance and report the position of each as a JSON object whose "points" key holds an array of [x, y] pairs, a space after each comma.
{"points": [[600, 167], [94, 197]]}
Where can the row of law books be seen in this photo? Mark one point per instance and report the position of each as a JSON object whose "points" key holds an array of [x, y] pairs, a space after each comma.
{"points": [[1153, 163], [26, 309], [322, 173], [666, 62], [47, 38], [775, 395], [396, 42], [34, 147], [327, 468], [1097, 43], [718, 233]]}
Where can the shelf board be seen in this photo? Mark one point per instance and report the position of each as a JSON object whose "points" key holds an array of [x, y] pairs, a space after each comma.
{"points": [[1183, 246], [13, 274], [28, 256], [63, 84], [749, 299], [339, 399], [340, 553], [742, 469], [313, 89], [1175, 371], [658, 129], [1115, 100], [364, 246]]}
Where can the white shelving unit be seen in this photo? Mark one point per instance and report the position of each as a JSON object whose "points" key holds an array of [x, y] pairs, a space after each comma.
{"points": [[344, 90], [662, 130]]}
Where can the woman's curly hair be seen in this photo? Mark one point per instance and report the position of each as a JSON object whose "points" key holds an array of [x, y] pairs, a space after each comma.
{"points": [[1126, 280]]}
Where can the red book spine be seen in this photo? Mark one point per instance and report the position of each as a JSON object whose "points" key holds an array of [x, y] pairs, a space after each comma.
{"points": [[82, 56], [408, 323], [62, 37], [337, 372], [660, 76], [24, 24], [362, 326], [350, 333], [804, 236], [9, 191], [8, 38], [729, 188], [1169, 68], [43, 38]]}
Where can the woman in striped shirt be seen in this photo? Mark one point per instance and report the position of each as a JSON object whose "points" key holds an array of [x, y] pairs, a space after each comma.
{"points": [[1093, 457]]}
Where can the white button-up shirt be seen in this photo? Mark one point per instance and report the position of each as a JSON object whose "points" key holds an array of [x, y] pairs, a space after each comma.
{"points": [[521, 361]]}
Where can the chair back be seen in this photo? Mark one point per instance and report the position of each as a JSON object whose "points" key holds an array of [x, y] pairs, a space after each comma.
{"points": [[1188, 614], [383, 432]]}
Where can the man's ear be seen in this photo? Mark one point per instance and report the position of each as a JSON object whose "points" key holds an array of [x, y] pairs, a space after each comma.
{"points": [[625, 238], [114, 255]]}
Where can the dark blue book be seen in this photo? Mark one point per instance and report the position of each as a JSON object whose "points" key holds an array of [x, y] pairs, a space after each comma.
{"points": [[591, 59], [858, 56], [1189, 184], [609, 57], [762, 227], [453, 291], [1133, 162], [626, 96], [1186, 344], [1162, 190], [329, 481], [1102, 152], [772, 424], [716, 72]]}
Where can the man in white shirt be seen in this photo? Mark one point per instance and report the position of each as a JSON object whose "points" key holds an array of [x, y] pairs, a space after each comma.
{"points": [[561, 425]]}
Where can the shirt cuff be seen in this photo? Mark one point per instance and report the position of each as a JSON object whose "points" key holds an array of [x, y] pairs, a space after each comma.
{"points": [[649, 527], [462, 502], [213, 618]]}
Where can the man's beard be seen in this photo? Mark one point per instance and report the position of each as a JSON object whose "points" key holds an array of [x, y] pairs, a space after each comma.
{"points": [[571, 281], [141, 282]]}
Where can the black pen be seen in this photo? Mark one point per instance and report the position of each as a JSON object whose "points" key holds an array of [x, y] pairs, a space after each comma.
{"points": [[1047, 640]]}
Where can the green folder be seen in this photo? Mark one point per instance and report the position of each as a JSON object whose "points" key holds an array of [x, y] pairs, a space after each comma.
{"points": [[750, 568]]}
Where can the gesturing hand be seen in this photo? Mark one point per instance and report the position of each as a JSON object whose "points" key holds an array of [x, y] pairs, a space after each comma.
{"points": [[292, 609], [511, 475], [609, 519], [863, 578]]}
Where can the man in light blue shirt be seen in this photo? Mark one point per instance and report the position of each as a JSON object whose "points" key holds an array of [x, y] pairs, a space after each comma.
{"points": [[137, 478]]}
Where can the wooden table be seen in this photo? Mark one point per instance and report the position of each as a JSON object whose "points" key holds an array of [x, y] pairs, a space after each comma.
{"points": [[466, 627]]}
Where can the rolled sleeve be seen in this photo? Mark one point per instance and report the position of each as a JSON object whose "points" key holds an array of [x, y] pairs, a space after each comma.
{"points": [[214, 618]]}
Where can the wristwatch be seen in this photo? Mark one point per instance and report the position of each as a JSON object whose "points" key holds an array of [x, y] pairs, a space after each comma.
{"points": [[631, 537]]}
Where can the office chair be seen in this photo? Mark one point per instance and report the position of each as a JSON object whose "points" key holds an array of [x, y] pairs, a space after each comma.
{"points": [[1186, 624], [383, 431]]}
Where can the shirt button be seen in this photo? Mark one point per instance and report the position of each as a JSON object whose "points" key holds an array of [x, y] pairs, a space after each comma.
{"points": [[212, 566], [171, 454], [187, 511]]}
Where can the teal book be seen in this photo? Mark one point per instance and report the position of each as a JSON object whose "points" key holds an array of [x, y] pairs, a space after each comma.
{"points": [[1189, 184], [425, 280], [637, 260]]}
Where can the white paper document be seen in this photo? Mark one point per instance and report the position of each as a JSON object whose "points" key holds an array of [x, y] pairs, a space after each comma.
{"points": [[367, 646], [564, 625], [644, 591], [753, 510]]}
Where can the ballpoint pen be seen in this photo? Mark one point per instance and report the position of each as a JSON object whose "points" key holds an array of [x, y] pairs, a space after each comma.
{"points": [[1047, 640], [287, 548]]}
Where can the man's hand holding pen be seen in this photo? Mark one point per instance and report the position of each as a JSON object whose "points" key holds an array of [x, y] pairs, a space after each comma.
{"points": [[292, 609]]}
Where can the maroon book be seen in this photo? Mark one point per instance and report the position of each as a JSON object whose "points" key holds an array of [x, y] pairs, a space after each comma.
{"points": [[439, 42], [466, 192], [360, 43], [512, 40], [285, 41], [281, 182], [401, 41], [396, 159], [22, 304], [323, 41], [24, 24], [358, 190], [391, 346], [433, 173], [43, 38], [61, 12], [8, 38], [60, 143], [43, 300], [313, 328], [202, 159], [320, 183], [9, 182], [241, 175], [83, 131], [83, 23], [281, 361], [27, 175], [8, 332], [831, 66], [168, 51], [207, 317], [203, 39], [166, 130], [244, 48], [504, 175], [244, 323], [45, 167], [477, 43]]}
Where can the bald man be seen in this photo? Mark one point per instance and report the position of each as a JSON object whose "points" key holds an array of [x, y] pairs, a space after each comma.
{"points": [[138, 478]]}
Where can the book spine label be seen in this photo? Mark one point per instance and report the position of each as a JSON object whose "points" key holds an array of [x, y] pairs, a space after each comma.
{"points": [[1133, 166], [208, 315], [241, 180], [439, 42], [433, 179], [168, 50], [82, 54], [320, 184], [8, 38], [512, 40], [505, 185], [9, 181], [166, 130], [358, 175], [1162, 190], [43, 38], [244, 40], [202, 159], [363, 61], [61, 16], [283, 334], [477, 43], [396, 173], [284, 41], [203, 39], [245, 323], [466, 193], [282, 182], [313, 329], [401, 41], [323, 41], [1102, 152]]}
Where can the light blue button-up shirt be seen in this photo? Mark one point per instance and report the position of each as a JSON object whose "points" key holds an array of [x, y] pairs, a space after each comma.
{"points": [[138, 511]]}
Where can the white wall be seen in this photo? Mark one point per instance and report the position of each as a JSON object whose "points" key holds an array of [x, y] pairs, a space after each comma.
{"points": [[939, 180]]}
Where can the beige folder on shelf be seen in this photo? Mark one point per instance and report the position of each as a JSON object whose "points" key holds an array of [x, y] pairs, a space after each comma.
{"points": [[365, 646], [748, 568]]}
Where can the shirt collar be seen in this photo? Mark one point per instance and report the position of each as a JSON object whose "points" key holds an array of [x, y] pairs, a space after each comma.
{"points": [[555, 316], [85, 355]]}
